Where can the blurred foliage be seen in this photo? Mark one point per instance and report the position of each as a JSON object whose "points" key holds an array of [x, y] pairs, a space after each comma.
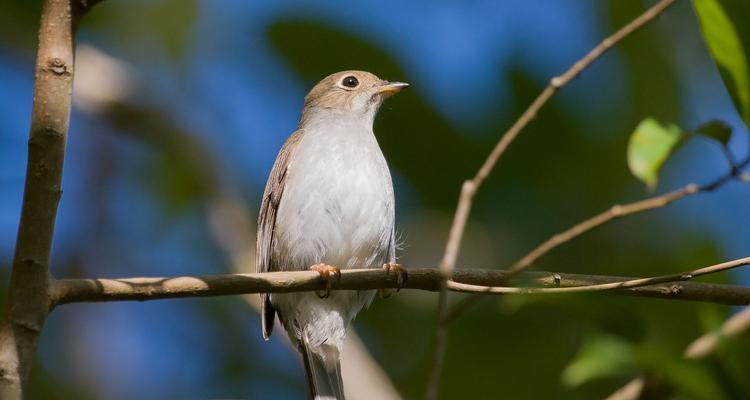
{"points": [[693, 380], [19, 21], [165, 25], [563, 168], [599, 357], [180, 170]]}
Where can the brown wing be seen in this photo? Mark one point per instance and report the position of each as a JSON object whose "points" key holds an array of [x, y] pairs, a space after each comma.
{"points": [[267, 221]]}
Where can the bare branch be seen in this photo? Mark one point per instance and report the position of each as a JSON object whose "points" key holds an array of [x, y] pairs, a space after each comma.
{"points": [[470, 187], [618, 211], [27, 305], [631, 283], [28, 293], [614, 212], [64, 291]]}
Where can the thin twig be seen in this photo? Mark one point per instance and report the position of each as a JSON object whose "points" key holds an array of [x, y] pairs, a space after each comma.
{"points": [[470, 187], [64, 291], [631, 283], [614, 212], [700, 348], [621, 210]]}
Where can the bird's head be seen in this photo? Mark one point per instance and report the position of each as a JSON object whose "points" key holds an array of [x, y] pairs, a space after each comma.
{"points": [[350, 92]]}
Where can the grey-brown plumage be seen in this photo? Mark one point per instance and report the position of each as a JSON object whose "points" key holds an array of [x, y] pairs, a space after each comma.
{"points": [[328, 200]]}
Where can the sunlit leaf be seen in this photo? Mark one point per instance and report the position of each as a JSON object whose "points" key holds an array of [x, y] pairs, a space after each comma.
{"points": [[600, 357], [650, 146], [717, 130], [726, 49]]}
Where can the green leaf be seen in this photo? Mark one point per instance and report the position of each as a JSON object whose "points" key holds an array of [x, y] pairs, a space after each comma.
{"points": [[726, 49], [599, 357], [650, 146], [717, 130]]}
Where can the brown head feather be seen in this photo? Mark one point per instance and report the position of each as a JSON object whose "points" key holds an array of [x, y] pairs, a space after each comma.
{"points": [[349, 91]]}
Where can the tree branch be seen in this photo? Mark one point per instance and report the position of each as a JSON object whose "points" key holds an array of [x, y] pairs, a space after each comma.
{"points": [[27, 305], [630, 283], [27, 302], [470, 187], [614, 212], [65, 291], [621, 210]]}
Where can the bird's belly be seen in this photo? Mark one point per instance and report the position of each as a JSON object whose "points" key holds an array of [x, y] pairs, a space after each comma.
{"points": [[337, 210]]}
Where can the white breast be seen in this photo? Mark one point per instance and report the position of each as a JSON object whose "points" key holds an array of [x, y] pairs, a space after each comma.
{"points": [[337, 206]]}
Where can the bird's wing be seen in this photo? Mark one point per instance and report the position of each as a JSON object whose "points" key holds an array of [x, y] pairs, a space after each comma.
{"points": [[267, 221]]}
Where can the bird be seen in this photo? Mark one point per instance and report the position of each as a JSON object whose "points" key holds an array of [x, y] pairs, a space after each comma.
{"points": [[328, 205]]}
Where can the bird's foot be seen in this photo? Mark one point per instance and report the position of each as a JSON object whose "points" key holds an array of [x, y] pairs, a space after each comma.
{"points": [[328, 273], [401, 276]]}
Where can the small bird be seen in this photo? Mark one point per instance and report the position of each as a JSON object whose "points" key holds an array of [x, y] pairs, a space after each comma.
{"points": [[328, 205]]}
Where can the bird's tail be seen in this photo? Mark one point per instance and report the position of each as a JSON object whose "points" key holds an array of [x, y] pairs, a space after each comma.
{"points": [[323, 371]]}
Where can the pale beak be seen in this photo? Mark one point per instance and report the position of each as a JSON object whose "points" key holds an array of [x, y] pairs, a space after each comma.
{"points": [[392, 87]]}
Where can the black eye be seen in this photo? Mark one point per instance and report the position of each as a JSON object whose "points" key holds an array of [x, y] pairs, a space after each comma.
{"points": [[350, 82]]}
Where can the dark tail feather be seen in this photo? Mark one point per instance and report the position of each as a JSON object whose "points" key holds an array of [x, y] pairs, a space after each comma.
{"points": [[267, 315], [323, 371]]}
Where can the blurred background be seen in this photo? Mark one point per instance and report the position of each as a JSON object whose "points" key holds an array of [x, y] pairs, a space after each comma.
{"points": [[181, 106]]}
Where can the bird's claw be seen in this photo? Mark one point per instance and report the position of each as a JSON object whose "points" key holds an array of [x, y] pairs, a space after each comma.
{"points": [[328, 273], [401, 277]]}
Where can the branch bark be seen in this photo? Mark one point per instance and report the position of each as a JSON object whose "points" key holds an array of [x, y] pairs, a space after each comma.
{"points": [[470, 187], [65, 291], [28, 294], [27, 304]]}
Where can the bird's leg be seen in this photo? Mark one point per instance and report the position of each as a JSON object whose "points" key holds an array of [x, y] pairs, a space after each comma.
{"points": [[401, 276], [327, 272]]}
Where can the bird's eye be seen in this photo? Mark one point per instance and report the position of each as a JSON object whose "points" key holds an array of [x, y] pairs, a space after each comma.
{"points": [[350, 82]]}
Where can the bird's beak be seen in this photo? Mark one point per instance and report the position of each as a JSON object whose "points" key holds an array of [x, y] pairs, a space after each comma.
{"points": [[392, 87]]}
